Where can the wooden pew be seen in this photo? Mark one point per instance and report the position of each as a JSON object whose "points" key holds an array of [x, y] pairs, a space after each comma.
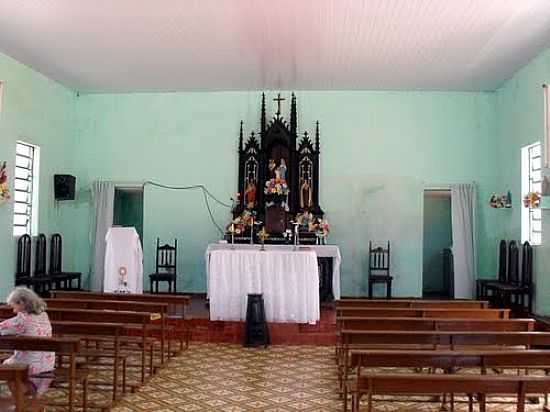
{"points": [[175, 302], [143, 319], [400, 340], [424, 312], [88, 331], [61, 346], [425, 384], [446, 360], [16, 376], [114, 305], [417, 324], [413, 303]]}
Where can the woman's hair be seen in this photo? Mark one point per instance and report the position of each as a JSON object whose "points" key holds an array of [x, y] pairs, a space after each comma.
{"points": [[31, 302]]}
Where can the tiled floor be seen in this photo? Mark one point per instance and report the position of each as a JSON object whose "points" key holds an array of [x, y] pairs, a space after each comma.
{"points": [[225, 377]]}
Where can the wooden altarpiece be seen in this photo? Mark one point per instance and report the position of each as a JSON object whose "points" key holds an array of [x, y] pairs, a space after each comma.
{"points": [[276, 154]]}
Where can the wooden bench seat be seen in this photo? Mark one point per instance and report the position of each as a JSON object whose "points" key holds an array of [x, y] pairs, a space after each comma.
{"points": [[444, 359], [456, 313], [428, 384], [412, 303], [62, 347]]}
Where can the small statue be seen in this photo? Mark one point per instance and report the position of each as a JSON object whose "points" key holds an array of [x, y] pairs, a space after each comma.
{"points": [[305, 194], [282, 169], [271, 166], [250, 195]]}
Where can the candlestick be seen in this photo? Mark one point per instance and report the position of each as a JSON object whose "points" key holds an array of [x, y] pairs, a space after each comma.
{"points": [[232, 235], [252, 231]]}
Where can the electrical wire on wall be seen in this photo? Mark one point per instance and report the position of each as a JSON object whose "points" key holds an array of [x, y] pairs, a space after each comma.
{"points": [[206, 194]]}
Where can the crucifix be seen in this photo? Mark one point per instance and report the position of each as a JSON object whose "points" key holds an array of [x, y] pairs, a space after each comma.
{"points": [[279, 99]]}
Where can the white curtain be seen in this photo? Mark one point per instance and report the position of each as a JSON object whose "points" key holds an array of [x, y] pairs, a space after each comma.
{"points": [[463, 212], [103, 198]]}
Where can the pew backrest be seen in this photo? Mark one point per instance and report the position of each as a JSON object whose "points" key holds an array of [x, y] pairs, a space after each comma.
{"points": [[463, 313], [427, 324], [413, 303], [129, 306]]}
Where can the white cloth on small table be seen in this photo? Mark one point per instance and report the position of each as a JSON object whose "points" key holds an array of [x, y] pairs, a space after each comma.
{"points": [[329, 251], [288, 280], [123, 253]]}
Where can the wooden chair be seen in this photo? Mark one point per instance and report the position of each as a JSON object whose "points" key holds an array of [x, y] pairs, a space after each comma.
{"points": [[482, 284], [166, 267], [41, 281], [61, 279], [379, 268], [23, 267]]}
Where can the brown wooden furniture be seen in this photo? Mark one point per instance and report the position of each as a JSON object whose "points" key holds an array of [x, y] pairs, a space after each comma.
{"points": [[424, 384], [413, 303], [444, 359], [114, 305], [166, 267], [435, 324], [23, 263], [98, 332], [60, 278], [16, 376], [177, 303], [439, 313], [143, 319], [379, 268], [61, 346]]}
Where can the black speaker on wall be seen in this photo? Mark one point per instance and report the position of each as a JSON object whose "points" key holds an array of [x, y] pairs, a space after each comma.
{"points": [[64, 186]]}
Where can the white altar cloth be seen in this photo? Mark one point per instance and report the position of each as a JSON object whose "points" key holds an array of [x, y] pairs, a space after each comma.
{"points": [[123, 260], [288, 280], [331, 251]]}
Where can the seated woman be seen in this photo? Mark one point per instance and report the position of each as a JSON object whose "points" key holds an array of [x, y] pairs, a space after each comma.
{"points": [[30, 320]]}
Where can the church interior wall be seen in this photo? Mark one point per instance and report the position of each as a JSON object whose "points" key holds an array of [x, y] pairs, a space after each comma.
{"points": [[39, 111], [519, 105]]}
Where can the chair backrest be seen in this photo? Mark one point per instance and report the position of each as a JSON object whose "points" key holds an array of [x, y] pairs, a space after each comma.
{"points": [[379, 259], [23, 268], [513, 262], [56, 248], [527, 265], [502, 261], [167, 257], [40, 256]]}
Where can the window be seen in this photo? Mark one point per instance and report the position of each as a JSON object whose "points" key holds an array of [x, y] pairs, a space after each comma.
{"points": [[25, 208], [531, 181]]}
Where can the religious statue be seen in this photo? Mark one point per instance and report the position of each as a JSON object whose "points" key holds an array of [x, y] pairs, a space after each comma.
{"points": [[305, 195], [282, 169], [250, 195], [271, 166]]}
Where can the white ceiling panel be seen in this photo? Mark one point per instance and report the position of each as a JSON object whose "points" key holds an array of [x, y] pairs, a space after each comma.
{"points": [[165, 45]]}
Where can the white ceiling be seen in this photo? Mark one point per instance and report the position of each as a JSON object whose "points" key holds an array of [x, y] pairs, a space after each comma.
{"points": [[154, 45]]}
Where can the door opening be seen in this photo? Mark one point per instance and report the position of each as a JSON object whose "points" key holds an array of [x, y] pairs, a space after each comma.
{"points": [[128, 209], [437, 273]]}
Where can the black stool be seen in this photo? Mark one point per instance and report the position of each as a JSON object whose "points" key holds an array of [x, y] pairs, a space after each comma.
{"points": [[256, 332]]}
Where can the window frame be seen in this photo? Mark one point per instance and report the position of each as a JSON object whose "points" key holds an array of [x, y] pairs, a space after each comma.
{"points": [[32, 182], [531, 167]]}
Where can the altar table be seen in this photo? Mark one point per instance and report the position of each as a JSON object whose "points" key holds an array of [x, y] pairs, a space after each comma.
{"points": [[322, 251], [288, 280]]}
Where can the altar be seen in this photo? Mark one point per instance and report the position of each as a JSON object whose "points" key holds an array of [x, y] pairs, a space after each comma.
{"points": [[288, 280]]}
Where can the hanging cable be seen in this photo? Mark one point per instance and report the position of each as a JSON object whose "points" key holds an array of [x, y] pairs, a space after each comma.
{"points": [[205, 192]]}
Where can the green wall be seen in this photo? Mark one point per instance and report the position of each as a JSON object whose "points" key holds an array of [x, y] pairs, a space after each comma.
{"points": [[39, 111], [519, 105], [379, 151], [437, 236]]}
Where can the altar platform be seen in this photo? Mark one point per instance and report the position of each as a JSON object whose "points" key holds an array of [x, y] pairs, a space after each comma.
{"points": [[323, 333]]}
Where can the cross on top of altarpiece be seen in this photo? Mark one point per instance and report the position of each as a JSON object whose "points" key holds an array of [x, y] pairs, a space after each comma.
{"points": [[279, 99]]}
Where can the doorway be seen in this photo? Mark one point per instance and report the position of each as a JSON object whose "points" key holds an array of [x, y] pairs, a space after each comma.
{"points": [[437, 273], [128, 208]]}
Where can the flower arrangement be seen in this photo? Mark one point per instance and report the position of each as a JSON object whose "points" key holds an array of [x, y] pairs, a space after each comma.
{"points": [[531, 200], [241, 223], [276, 187], [313, 224]]}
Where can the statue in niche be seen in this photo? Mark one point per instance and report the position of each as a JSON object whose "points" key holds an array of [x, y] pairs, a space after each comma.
{"points": [[282, 169], [250, 195], [306, 195], [272, 168]]}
